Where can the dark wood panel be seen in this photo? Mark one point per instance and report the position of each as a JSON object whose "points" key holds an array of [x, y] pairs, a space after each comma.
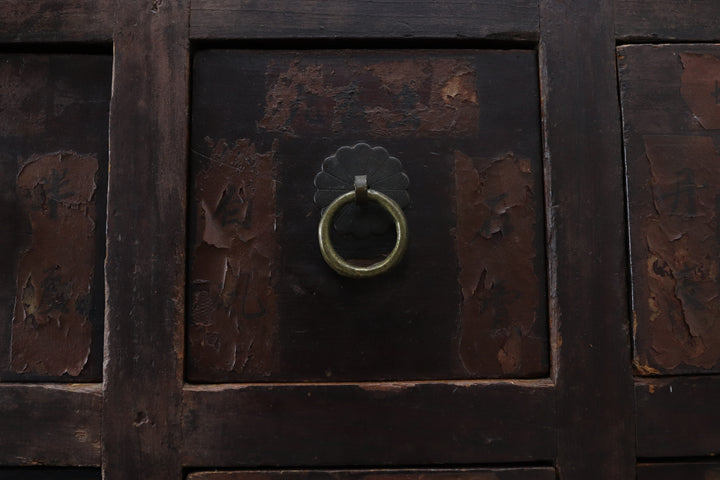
{"points": [[670, 99], [145, 263], [265, 306], [587, 258], [53, 177], [50, 425], [678, 416], [679, 471], [683, 20], [216, 19], [56, 21], [523, 473], [368, 424]]}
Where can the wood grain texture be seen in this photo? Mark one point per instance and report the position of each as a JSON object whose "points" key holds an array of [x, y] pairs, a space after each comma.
{"points": [[670, 100], [678, 416], [146, 238], [677, 20], [679, 471], [587, 243], [46, 424], [247, 19], [368, 424], [56, 21], [50, 474], [522, 473]]}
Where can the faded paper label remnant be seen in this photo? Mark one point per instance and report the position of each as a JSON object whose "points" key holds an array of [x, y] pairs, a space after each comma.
{"points": [[233, 313], [683, 242], [51, 332], [421, 97], [495, 243]]}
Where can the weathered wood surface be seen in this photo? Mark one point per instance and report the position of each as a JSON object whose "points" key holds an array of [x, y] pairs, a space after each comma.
{"points": [[146, 240], [246, 19], [522, 473], [588, 305], [658, 20], [368, 424], [56, 21], [50, 474], [670, 97], [53, 154], [678, 416], [679, 471], [265, 306], [46, 424]]}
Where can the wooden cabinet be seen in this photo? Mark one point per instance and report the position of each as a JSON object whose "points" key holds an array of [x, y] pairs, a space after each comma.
{"points": [[167, 311]]}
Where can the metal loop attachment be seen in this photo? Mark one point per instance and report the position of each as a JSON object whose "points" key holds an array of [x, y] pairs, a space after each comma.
{"points": [[339, 264]]}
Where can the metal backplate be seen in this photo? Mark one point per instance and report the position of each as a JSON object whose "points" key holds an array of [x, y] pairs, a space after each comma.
{"points": [[384, 174]]}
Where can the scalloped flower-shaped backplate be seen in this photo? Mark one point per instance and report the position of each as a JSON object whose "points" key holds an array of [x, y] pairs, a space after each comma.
{"points": [[384, 174]]}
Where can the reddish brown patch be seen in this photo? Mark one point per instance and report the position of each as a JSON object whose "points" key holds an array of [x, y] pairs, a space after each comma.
{"points": [[700, 87], [233, 317], [51, 331], [419, 97], [683, 250], [495, 232]]}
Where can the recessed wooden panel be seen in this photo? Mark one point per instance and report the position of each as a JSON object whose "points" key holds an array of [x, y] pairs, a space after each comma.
{"points": [[468, 300], [671, 114], [53, 153], [523, 473]]}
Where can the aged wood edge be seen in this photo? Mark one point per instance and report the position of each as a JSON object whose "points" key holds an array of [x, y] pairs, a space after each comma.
{"points": [[223, 19], [50, 424], [69, 388], [367, 425], [489, 473], [587, 260], [56, 21], [666, 20], [678, 416], [533, 383]]}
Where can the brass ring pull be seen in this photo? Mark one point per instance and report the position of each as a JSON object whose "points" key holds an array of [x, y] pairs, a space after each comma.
{"points": [[337, 263]]}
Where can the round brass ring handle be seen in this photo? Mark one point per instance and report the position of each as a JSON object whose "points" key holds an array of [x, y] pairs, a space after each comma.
{"points": [[337, 263]]}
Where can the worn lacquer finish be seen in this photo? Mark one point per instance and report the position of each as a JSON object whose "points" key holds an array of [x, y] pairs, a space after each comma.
{"points": [[264, 304], [53, 151], [671, 110]]}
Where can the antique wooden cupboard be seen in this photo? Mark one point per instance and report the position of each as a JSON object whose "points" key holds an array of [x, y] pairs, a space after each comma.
{"points": [[166, 312]]}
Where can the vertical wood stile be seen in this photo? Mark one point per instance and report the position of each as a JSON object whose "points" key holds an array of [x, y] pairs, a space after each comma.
{"points": [[596, 432], [145, 264]]}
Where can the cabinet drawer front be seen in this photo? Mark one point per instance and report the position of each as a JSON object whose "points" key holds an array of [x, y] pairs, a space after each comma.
{"points": [[468, 299]]}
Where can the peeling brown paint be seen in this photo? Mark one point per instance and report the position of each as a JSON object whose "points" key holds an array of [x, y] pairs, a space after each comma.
{"points": [[495, 231], [416, 97], [51, 332], [683, 247], [233, 314], [671, 112], [700, 87]]}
